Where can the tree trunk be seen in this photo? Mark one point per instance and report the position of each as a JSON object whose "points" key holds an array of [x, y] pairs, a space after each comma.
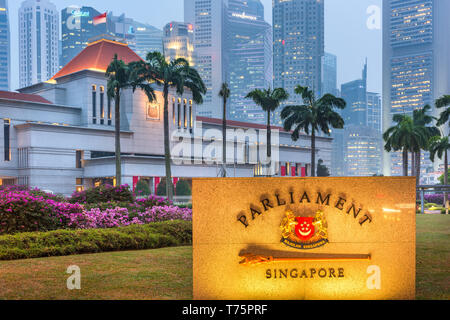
{"points": [[224, 137], [269, 142], [413, 164], [313, 153], [418, 156], [405, 162], [446, 181], [117, 140], [169, 185]]}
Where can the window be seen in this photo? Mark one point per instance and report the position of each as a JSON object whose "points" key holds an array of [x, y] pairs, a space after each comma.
{"points": [[109, 112], [191, 116], [173, 110], [6, 139], [179, 113], [94, 104], [79, 159], [185, 113], [102, 105]]}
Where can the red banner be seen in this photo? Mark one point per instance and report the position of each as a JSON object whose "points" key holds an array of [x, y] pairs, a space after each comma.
{"points": [[135, 181], [157, 181]]}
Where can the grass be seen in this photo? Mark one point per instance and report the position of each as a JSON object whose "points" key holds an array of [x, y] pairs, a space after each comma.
{"points": [[167, 273], [433, 257], [158, 274]]}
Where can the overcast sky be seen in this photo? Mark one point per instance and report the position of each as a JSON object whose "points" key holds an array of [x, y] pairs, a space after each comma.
{"points": [[346, 31]]}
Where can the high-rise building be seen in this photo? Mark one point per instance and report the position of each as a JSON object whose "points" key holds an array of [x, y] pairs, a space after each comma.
{"points": [[298, 35], [38, 41], [361, 149], [148, 39], [5, 54], [329, 74], [355, 94], [208, 18], [249, 58], [374, 111], [77, 29], [179, 41], [416, 67]]}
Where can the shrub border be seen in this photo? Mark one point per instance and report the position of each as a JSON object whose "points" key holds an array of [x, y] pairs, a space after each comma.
{"points": [[69, 242]]}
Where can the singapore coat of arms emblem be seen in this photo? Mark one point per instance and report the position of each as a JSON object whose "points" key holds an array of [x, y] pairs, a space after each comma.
{"points": [[304, 232]]}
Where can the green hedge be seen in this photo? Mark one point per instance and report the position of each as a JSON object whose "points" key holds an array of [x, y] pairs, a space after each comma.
{"points": [[68, 242]]}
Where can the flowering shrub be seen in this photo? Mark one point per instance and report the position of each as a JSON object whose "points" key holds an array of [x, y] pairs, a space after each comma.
{"points": [[434, 198], [23, 210], [103, 194], [165, 213], [120, 217]]}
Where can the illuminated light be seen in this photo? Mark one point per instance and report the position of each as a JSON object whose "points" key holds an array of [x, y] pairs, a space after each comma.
{"points": [[391, 210]]}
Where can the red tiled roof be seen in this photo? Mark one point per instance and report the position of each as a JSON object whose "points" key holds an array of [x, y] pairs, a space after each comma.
{"points": [[97, 56], [23, 97]]}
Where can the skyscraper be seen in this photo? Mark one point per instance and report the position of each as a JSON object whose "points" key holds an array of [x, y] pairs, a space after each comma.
{"points": [[361, 137], [38, 41], [355, 94], [179, 41], [5, 55], [298, 35], [248, 48], [208, 18], [329, 74], [416, 67], [77, 28], [148, 39]]}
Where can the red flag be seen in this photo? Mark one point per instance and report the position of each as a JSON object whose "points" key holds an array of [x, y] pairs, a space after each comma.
{"points": [[99, 19]]}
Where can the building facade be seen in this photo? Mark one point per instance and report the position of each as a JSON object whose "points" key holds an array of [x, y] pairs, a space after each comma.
{"points": [[360, 141], [59, 135], [298, 36], [5, 47], [208, 18], [148, 39], [329, 74], [38, 41], [416, 67], [249, 58], [77, 29], [179, 41]]}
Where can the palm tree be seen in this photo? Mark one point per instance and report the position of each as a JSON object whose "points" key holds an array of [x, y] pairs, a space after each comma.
{"points": [[405, 136], [176, 74], [269, 100], [443, 102], [225, 94], [440, 147], [315, 114], [422, 120], [120, 76]]}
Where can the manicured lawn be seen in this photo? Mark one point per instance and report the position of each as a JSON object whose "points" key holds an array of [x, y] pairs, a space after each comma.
{"points": [[167, 273], [433, 257], [148, 274]]}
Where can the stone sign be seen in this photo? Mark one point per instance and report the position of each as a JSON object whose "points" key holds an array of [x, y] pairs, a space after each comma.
{"points": [[304, 238]]}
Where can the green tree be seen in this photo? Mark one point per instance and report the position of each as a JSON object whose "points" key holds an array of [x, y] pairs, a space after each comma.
{"points": [[440, 146], [178, 75], [183, 188], [322, 170], [225, 94], [315, 115], [269, 100], [120, 77], [405, 136], [422, 121], [161, 189], [443, 102], [142, 188]]}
